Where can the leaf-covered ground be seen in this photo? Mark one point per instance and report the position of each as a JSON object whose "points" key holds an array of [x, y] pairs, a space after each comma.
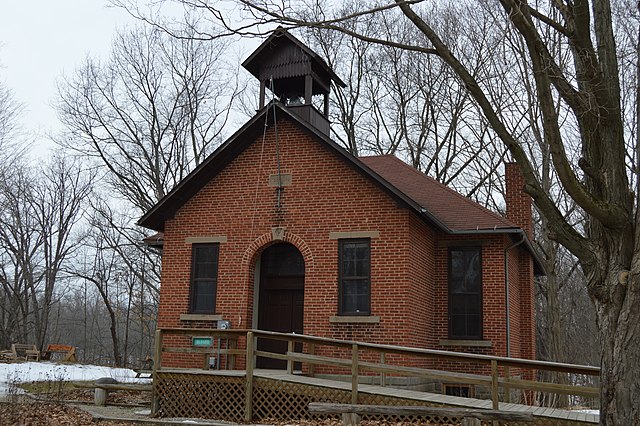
{"points": [[54, 407], [46, 414]]}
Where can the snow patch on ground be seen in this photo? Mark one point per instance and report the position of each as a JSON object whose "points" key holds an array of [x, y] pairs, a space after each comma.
{"points": [[24, 372]]}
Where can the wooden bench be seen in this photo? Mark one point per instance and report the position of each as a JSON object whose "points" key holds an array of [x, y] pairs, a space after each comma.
{"points": [[351, 413], [21, 351], [104, 385], [68, 352]]}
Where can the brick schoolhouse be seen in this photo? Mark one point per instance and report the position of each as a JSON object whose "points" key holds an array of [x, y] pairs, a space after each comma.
{"points": [[282, 229]]}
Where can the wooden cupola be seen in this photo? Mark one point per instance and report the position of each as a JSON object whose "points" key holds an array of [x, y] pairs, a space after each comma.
{"points": [[294, 73]]}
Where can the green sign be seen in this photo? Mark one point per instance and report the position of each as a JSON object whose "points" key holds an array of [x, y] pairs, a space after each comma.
{"points": [[202, 341]]}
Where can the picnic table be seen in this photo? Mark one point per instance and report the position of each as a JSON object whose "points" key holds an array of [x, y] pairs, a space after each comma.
{"points": [[67, 352]]}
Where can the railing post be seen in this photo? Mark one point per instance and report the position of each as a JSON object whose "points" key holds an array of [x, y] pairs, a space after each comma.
{"points": [[157, 360], [494, 383], [507, 389], [354, 373], [383, 375], [157, 352], [233, 344], [312, 367], [248, 403], [289, 360]]}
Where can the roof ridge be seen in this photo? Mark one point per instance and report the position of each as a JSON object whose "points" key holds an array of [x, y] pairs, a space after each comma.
{"points": [[445, 187]]}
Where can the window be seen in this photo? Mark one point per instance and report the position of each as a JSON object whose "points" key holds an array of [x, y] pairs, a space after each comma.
{"points": [[204, 278], [354, 277], [465, 293], [465, 391]]}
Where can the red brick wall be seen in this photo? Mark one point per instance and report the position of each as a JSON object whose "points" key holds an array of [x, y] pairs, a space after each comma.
{"points": [[421, 325], [527, 307], [408, 258], [514, 302]]}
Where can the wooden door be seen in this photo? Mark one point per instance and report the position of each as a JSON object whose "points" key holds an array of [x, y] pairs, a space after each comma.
{"points": [[281, 299]]}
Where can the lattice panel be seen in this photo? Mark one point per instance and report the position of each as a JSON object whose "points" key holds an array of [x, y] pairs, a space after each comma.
{"points": [[223, 398], [370, 399], [290, 401], [283, 400], [203, 396]]}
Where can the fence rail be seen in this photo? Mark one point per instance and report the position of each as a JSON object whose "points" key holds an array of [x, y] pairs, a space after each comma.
{"points": [[353, 358]]}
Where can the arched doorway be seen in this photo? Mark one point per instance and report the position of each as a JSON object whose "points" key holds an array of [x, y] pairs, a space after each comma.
{"points": [[281, 298]]}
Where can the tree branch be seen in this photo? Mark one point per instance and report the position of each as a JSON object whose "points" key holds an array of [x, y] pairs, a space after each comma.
{"points": [[564, 232]]}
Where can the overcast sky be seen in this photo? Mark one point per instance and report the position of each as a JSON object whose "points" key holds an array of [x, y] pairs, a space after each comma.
{"points": [[42, 39]]}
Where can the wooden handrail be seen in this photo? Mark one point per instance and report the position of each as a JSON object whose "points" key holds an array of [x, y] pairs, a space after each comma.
{"points": [[356, 365], [435, 353], [462, 356]]}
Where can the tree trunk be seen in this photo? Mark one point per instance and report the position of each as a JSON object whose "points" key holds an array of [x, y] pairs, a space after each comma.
{"points": [[619, 326], [113, 323], [127, 324], [113, 327]]}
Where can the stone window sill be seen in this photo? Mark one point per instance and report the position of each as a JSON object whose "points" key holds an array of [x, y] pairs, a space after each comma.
{"points": [[467, 343], [354, 319], [200, 317]]}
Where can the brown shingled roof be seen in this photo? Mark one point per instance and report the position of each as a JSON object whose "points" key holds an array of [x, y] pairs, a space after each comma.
{"points": [[453, 210]]}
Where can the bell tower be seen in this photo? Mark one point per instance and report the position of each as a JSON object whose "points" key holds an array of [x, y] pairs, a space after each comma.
{"points": [[295, 74]]}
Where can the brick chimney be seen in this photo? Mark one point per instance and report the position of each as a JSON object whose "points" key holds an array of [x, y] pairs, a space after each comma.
{"points": [[518, 202]]}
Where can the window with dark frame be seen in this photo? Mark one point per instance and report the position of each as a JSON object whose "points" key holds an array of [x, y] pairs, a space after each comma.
{"points": [[465, 391], [354, 277], [465, 293], [204, 278]]}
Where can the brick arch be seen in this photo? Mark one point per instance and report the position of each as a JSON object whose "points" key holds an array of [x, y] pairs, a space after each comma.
{"points": [[263, 241]]}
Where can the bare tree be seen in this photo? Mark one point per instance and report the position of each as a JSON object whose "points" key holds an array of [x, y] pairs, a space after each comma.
{"points": [[124, 277], [9, 127], [9, 123], [608, 246], [38, 235], [146, 117], [411, 105], [58, 205], [628, 36], [558, 293], [151, 113], [19, 244]]}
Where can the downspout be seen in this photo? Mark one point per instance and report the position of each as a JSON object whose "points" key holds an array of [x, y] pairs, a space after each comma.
{"points": [[506, 289]]}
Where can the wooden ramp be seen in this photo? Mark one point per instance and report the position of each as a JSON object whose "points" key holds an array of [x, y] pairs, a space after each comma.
{"points": [[543, 413], [276, 394]]}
